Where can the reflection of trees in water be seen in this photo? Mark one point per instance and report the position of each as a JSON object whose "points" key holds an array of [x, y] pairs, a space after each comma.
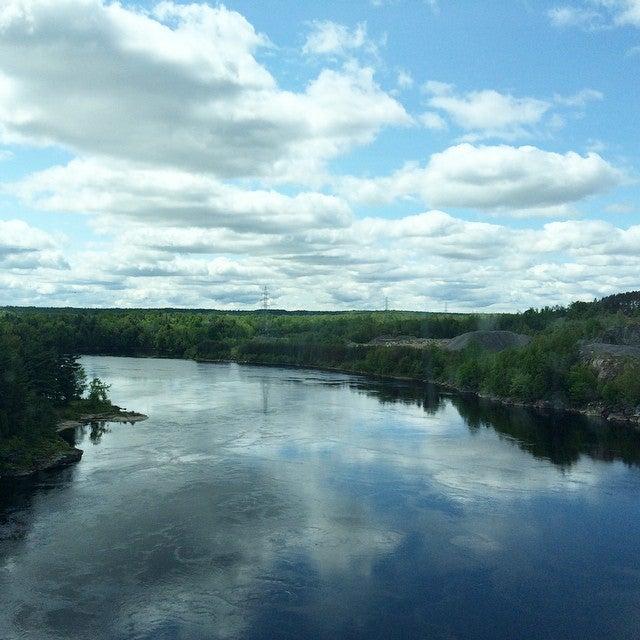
{"points": [[559, 437], [17, 496], [265, 386], [426, 397], [98, 429]]}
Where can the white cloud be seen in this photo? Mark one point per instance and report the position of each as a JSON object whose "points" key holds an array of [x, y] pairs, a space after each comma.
{"points": [[180, 137], [23, 247], [330, 38], [173, 197], [418, 261], [628, 12], [621, 207], [520, 180], [580, 99], [404, 79], [597, 14], [568, 16], [487, 113], [504, 177], [178, 87], [491, 114], [432, 120]]}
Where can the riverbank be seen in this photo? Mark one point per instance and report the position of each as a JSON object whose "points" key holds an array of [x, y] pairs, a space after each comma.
{"points": [[115, 415], [24, 458], [594, 410]]}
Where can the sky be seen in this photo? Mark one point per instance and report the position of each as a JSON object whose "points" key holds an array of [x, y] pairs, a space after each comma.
{"points": [[474, 156]]}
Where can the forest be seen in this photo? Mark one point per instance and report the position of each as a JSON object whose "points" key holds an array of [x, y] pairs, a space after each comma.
{"points": [[41, 377], [41, 382]]}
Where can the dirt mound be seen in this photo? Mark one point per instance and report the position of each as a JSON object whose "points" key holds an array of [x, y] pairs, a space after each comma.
{"points": [[604, 349], [489, 340]]}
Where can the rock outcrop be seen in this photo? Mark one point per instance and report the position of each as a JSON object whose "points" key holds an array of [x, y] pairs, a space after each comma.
{"points": [[489, 340]]}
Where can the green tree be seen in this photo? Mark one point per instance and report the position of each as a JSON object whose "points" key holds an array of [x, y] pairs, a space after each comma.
{"points": [[98, 394]]}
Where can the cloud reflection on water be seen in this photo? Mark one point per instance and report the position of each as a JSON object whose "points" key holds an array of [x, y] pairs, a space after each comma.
{"points": [[260, 503]]}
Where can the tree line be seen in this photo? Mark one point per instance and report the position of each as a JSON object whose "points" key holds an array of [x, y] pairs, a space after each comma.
{"points": [[41, 374]]}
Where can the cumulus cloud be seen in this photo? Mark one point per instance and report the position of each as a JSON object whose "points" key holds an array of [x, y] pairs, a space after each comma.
{"points": [[203, 179], [23, 247], [491, 114], [418, 261], [486, 113], [174, 197], [179, 86], [522, 180]]}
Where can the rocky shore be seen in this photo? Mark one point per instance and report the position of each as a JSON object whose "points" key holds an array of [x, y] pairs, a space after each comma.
{"points": [[63, 458], [114, 415], [600, 411], [58, 452]]}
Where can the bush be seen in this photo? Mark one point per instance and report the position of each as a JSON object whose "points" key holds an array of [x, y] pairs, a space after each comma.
{"points": [[583, 384]]}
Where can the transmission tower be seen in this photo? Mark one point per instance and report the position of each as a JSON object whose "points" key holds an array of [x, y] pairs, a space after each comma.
{"points": [[265, 309], [386, 303]]}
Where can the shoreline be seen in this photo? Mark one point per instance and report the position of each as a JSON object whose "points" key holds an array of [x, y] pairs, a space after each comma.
{"points": [[67, 454], [58, 460], [542, 406], [599, 412], [120, 415]]}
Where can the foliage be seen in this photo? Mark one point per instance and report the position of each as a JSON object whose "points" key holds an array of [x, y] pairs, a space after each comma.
{"points": [[98, 395], [37, 380], [550, 368]]}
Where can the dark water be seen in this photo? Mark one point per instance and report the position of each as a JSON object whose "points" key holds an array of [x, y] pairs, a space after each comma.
{"points": [[268, 503]]}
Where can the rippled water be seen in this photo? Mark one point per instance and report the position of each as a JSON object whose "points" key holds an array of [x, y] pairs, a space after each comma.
{"points": [[277, 503]]}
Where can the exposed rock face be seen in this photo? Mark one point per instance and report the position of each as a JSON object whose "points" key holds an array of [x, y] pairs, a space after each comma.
{"points": [[406, 341], [624, 335], [489, 340], [63, 459], [608, 359], [56, 461]]}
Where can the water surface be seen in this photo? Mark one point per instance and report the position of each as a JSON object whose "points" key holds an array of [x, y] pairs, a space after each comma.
{"points": [[261, 503]]}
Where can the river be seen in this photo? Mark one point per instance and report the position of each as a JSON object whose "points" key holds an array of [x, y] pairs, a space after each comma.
{"points": [[263, 503]]}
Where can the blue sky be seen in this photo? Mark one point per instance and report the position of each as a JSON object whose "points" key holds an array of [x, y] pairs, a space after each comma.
{"points": [[483, 155]]}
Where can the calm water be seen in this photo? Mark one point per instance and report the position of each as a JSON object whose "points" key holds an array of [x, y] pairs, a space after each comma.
{"points": [[270, 503]]}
